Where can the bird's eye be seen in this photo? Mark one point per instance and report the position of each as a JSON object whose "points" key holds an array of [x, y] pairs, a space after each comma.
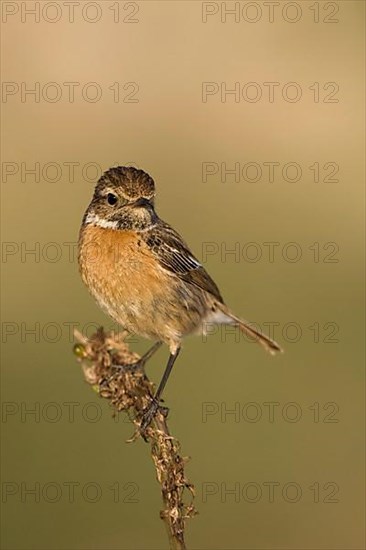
{"points": [[112, 199]]}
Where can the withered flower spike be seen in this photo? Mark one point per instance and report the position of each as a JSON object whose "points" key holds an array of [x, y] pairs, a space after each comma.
{"points": [[108, 364]]}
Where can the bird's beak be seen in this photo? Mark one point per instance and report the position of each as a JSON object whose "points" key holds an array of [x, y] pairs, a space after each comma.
{"points": [[140, 203]]}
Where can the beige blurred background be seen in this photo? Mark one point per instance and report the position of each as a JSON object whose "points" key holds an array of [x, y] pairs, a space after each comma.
{"points": [[168, 52]]}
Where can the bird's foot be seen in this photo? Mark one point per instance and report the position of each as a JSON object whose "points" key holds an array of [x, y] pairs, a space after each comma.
{"points": [[149, 415]]}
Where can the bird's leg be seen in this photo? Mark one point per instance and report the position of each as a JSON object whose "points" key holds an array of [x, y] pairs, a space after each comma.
{"points": [[149, 354], [151, 410], [143, 360]]}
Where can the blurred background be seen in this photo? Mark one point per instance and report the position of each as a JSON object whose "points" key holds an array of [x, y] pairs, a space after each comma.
{"points": [[266, 185]]}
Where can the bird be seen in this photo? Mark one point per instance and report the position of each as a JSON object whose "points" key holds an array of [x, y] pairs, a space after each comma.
{"points": [[143, 274]]}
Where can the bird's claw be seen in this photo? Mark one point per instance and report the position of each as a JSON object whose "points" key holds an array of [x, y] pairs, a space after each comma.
{"points": [[149, 414]]}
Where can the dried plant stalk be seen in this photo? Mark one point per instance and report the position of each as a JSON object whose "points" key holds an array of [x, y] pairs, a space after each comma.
{"points": [[118, 375]]}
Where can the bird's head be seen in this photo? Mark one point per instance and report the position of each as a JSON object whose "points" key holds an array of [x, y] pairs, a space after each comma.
{"points": [[123, 199]]}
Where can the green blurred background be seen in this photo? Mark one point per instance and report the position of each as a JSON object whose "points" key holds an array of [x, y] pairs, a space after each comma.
{"points": [[314, 440]]}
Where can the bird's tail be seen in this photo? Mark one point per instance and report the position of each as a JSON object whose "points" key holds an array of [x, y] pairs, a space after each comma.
{"points": [[265, 341]]}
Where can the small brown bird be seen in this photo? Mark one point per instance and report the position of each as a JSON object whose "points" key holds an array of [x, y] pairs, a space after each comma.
{"points": [[142, 273]]}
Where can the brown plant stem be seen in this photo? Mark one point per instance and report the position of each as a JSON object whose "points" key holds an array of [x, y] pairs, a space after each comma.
{"points": [[118, 375]]}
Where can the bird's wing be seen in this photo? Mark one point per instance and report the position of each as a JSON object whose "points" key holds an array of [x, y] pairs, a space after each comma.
{"points": [[174, 255]]}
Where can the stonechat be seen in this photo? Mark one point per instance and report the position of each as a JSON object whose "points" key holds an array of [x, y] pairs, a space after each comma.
{"points": [[144, 275]]}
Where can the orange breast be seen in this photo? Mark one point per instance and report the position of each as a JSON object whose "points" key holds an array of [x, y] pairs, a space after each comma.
{"points": [[123, 276]]}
